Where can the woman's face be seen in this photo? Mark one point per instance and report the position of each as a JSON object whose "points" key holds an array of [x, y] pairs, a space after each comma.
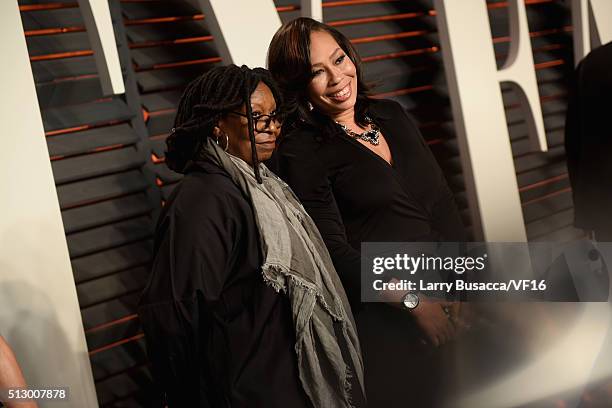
{"points": [[237, 128], [333, 88]]}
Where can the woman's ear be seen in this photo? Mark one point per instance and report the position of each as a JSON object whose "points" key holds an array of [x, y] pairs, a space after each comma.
{"points": [[217, 132], [220, 128], [220, 137]]}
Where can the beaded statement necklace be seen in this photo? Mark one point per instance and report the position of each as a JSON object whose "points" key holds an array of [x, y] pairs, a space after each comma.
{"points": [[371, 136]]}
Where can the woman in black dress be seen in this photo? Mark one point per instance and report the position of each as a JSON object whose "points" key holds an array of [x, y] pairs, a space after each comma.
{"points": [[364, 173], [243, 307]]}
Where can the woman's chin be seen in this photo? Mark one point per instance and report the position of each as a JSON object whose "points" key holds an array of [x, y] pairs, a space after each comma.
{"points": [[338, 107], [264, 155]]}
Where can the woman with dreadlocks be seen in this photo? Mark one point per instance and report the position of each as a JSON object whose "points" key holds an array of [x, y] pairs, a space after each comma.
{"points": [[243, 307]]}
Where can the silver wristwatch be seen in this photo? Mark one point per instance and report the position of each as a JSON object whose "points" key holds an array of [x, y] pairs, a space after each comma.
{"points": [[410, 300]]}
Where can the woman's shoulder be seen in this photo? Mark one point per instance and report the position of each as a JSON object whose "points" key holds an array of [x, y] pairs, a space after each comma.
{"points": [[395, 115], [209, 178], [300, 139], [209, 188], [385, 108]]}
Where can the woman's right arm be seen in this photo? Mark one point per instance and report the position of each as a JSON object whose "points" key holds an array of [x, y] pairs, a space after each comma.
{"points": [[188, 277], [300, 167]]}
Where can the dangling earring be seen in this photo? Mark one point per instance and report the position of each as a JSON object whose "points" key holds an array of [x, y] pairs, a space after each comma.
{"points": [[226, 142], [310, 107]]}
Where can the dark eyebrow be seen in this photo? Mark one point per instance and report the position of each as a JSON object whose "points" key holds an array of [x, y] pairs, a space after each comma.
{"points": [[259, 108], [330, 57], [335, 52]]}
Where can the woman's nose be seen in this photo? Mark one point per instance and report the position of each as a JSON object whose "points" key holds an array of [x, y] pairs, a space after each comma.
{"points": [[274, 126], [335, 76]]}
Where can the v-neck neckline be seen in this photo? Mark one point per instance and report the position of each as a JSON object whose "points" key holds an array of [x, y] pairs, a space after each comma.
{"points": [[392, 165]]}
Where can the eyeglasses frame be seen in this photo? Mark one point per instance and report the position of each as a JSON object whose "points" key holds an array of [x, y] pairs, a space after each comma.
{"points": [[269, 118]]}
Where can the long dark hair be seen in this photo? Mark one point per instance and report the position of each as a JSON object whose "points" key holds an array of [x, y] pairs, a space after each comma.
{"points": [[289, 63], [205, 101]]}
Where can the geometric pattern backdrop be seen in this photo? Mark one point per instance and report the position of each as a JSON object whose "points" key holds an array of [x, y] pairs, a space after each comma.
{"points": [[107, 153]]}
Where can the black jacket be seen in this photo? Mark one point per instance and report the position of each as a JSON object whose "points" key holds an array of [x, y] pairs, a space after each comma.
{"points": [[216, 334]]}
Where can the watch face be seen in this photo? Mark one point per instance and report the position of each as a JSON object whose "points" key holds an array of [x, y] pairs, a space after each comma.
{"points": [[411, 300]]}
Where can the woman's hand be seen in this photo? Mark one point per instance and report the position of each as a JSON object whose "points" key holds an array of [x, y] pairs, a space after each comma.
{"points": [[462, 316], [435, 323]]}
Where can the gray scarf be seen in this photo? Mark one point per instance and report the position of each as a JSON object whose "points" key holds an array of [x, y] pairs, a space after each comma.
{"points": [[296, 262]]}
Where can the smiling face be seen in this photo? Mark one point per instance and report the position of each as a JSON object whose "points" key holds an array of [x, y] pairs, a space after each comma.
{"points": [[237, 128], [333, 88]]}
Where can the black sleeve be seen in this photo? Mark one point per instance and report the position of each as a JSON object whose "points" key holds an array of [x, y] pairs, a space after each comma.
{"points": [[572, 142], [189, 272], [204, 229], [445, 217], [170, 329], [299, 165], [445, 214]]}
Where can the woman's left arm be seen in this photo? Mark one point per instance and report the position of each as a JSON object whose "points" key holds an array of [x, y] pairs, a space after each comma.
{"points": [[445, 214], [445, 217]]}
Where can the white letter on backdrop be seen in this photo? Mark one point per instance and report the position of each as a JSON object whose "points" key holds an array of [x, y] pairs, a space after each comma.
{"points": [[242, 29], [592, 25], [97, 17], [478, 110]]}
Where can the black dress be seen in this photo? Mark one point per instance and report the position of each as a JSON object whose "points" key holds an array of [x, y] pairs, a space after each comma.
{"points": [[217, 336], [355, 196], [588, 142]]}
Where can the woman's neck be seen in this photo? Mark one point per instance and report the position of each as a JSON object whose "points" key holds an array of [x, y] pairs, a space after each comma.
{"points": [[347, 118]]}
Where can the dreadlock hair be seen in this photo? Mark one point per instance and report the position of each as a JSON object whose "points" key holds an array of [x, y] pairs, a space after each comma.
{"points": [[205, 101]]}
